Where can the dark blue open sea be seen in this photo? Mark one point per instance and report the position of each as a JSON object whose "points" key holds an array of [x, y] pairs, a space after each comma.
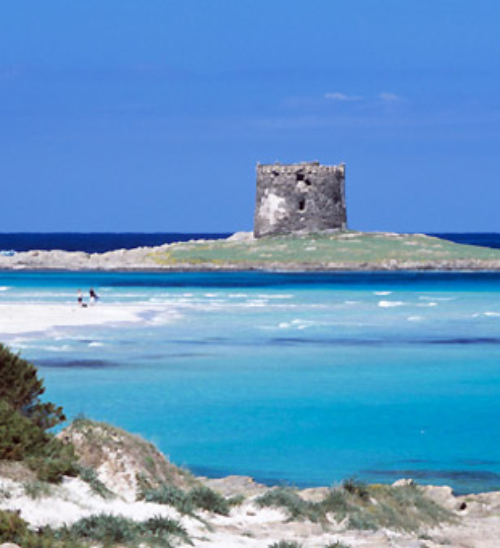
{"points": [[297, 378], [94, 242]]}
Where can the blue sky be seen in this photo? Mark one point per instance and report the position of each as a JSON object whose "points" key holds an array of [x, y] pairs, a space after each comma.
{"points": [[119, 115]]}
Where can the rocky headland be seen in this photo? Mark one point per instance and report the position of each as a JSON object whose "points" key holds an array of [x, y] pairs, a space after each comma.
{"points": [[326, 251]]}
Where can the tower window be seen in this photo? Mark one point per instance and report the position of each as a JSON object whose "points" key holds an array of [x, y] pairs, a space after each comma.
{"points": [[302, 205]]}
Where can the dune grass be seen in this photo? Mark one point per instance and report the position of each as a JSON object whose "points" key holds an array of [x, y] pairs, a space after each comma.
{"points": [[187, 502], [363, 507], [111, 530]]}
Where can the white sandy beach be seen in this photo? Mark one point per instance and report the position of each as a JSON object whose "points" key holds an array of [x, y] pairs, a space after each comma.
{"points": [[21, 318]]}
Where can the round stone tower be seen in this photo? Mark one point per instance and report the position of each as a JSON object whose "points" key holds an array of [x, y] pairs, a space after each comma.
{"points": [[306, 197]]}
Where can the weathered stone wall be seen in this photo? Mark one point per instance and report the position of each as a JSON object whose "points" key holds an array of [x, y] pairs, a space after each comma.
{"points": [[306, 197]]}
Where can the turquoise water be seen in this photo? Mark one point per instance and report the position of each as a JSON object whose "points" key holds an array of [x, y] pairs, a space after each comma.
{"points": [[298, 378]]}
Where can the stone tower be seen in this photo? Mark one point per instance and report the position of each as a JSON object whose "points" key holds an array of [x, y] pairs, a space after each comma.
{"points": [[305, 197]]}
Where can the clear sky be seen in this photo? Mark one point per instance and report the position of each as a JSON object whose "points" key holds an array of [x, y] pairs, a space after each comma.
{"points": [[150, 115]]}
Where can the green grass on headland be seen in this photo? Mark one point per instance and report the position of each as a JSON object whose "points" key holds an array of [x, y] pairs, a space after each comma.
{"points": [[339, 250]]}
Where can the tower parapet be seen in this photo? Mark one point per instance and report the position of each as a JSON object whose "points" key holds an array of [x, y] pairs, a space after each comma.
{"points": [[306, 197]]}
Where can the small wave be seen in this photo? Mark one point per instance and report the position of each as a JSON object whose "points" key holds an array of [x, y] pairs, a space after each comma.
{"points": [[297, 324], [4, 288], [382, 292], [63, 348], [437, 298], [414, 318], [96, 344], [487, 314], [390, 304], [427, 304]]}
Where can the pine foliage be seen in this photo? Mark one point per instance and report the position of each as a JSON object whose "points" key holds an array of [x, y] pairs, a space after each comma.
{"points": [[25, 421]]}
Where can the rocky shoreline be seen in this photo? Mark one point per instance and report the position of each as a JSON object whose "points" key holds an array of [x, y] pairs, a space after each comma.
{"points": [[338, 252]]}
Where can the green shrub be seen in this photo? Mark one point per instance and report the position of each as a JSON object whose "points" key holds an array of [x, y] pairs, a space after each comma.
{"points": [[103, 528], [21, 388], [15, 530], [159, 529], [12, 527], [19, 436], [111, 530], [170, 495], [355, 487], [285, 544], [199, 498], [25, 421], [207, 499], [287, 499]]}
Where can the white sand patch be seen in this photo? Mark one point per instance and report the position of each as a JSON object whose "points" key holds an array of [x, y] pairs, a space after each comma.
{"points": [[72, 501], [32, 318]]}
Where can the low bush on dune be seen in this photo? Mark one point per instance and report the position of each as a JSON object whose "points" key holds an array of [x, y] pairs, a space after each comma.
{"points": [[111, 530], [13, 529], [170, 495], [25, 421], [287, 499], [104, 529], [207, 499], [187, 502], [364, 507]]}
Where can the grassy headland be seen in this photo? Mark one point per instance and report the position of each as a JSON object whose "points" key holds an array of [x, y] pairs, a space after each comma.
{"points": [[327, 251], [347, 250]]}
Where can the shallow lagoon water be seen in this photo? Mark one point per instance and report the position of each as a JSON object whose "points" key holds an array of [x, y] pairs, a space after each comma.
{"points": [[297, 378]]}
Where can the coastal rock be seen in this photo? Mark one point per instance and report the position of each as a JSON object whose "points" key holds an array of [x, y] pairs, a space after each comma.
{"points": [[241, 237]]}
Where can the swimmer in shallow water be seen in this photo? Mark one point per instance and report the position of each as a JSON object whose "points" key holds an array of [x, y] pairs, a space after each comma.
{"points": [[80, 299], [93, 296]]}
